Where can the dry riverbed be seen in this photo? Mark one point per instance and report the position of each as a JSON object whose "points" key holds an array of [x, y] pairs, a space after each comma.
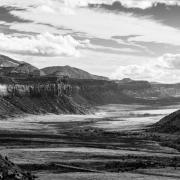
{"points": [[110, 145]]}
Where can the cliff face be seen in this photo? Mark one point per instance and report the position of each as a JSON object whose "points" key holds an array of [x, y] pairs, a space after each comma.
{"points": [[39, 95], [52, 95], [145, 90], [33, 87], [98, 92], [73, 96], [134, 85]]}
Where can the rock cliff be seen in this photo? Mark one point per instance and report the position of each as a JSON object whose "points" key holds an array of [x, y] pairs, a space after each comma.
{"points": [[73, 96], [146, 90], [53, 95], [39, 95]]}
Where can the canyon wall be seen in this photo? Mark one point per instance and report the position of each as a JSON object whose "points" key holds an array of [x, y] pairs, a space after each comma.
{"points": [[151, 91], [39, 95], [52, 95], [97, 92], [74, 96]]}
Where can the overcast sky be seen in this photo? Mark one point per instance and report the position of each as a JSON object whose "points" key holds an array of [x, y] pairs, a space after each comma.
{"points": [[138, 39]]}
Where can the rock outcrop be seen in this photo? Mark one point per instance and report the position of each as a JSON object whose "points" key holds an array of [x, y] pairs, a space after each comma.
{"points": [[10, 171]]}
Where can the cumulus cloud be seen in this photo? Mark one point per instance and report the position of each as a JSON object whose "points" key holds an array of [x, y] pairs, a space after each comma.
{"points": [[137, 72], [169, 61], [44, 9], [56, 9], [154, 69], [43, 45]]}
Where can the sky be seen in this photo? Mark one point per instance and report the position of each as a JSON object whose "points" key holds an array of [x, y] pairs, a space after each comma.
{"points": [[137, 39]]}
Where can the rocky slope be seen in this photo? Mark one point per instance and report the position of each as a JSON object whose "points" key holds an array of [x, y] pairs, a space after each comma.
{"points": [[72, 72], [11, 67], [6, 61], [27, 69], [169, 124], [9, 171]]}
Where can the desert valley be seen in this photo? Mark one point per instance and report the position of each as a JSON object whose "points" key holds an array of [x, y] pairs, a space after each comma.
{"points": [[89, 90], [69, 124]]}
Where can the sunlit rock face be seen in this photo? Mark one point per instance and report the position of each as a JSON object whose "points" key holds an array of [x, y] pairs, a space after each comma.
{"points": [[39, 95], [40, 87], [52, 95], [3, 90]]}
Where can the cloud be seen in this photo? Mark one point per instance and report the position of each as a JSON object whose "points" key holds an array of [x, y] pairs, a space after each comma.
{"points": [[64, 10], [37, 28], [128, 3], [42, 45], [97, 23], [169, 61], [44, 9], [23, 3], [153, 69], [137, 72], [165, 13]]}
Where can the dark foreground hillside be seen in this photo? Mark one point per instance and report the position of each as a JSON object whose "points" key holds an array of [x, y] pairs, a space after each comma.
{"points": [[169, 124], [9, 171]]}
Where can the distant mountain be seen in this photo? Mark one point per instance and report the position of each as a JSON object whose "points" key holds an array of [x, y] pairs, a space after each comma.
{"points": [[27, 69], [125, 80], [72, 72], [9, 65], [6, 61]]}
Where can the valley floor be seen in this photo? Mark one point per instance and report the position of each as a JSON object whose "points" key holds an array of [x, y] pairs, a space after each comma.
{"points": [[113, 144]]}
